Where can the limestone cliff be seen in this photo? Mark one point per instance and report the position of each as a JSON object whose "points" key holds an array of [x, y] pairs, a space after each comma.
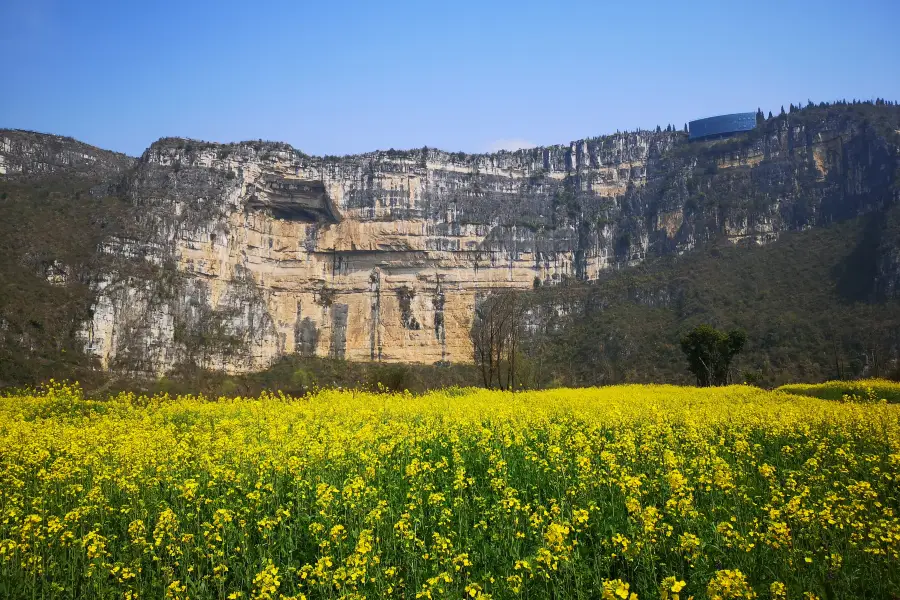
{"points": [[267, 251], [241, 253]]}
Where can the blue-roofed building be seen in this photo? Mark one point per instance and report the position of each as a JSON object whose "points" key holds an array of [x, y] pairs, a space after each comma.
{"points": [[722, 125]]}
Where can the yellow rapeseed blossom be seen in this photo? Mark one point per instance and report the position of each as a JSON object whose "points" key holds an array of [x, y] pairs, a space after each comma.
{"points": [[618, 492], [777, 591], [670, 587], [728, 584]]}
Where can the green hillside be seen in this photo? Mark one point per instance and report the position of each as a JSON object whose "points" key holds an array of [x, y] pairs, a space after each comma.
{"points": [[815, 304]]}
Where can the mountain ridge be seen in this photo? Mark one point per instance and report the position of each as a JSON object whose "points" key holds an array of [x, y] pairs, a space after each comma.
{"points": [[232, 256]]}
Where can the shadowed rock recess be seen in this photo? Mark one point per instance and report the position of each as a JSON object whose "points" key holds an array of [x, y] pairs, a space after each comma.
{"points": [[235, 255]]}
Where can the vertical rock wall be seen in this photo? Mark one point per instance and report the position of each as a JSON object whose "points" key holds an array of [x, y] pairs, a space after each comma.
{"points": [[256, 250]]}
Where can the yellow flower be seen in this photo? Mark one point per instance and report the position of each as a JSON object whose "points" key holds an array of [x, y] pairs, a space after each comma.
{"points": [[729, 584], [615, 588], [454, 493], [777, 591], [670, 587], [266, 583]]}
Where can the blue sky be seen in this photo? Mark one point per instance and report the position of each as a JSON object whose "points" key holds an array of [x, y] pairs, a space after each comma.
{"points": [[346, 77]]}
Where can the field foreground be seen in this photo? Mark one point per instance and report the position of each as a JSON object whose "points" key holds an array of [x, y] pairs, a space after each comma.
{"points": [[621, 492]]}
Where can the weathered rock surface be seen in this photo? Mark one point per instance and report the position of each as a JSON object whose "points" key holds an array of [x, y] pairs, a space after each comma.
{"points": [[242, 253]]}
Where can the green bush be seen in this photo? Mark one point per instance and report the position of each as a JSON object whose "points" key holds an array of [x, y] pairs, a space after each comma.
{"points": [[390, 378], [303, 381]]}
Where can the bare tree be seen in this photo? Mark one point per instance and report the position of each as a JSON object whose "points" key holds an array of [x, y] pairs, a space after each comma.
{"points": [[496, 333]]}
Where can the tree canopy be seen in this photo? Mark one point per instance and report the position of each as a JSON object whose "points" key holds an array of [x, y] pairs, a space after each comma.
{"points": [[709, 353]]}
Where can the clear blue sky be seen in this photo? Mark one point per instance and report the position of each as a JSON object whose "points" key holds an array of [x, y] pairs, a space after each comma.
{"points": [[346, 77]]}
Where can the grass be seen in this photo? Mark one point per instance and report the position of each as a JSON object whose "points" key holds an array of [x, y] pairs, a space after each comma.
{"points": [[618, 492]]}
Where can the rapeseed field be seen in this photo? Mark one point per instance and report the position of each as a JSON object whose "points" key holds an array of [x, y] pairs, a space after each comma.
{"points": [[863, 390], [615, 493]]}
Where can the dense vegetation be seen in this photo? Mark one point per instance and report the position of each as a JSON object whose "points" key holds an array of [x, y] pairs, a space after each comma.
{"points": [[299, 375], [620, 492]]}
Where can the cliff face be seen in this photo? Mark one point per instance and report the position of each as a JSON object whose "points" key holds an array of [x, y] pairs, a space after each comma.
{"points": [[238, 254], [257, 250]]}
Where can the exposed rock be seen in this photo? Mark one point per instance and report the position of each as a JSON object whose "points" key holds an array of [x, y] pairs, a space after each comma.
{"points": [[254, 250]]}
